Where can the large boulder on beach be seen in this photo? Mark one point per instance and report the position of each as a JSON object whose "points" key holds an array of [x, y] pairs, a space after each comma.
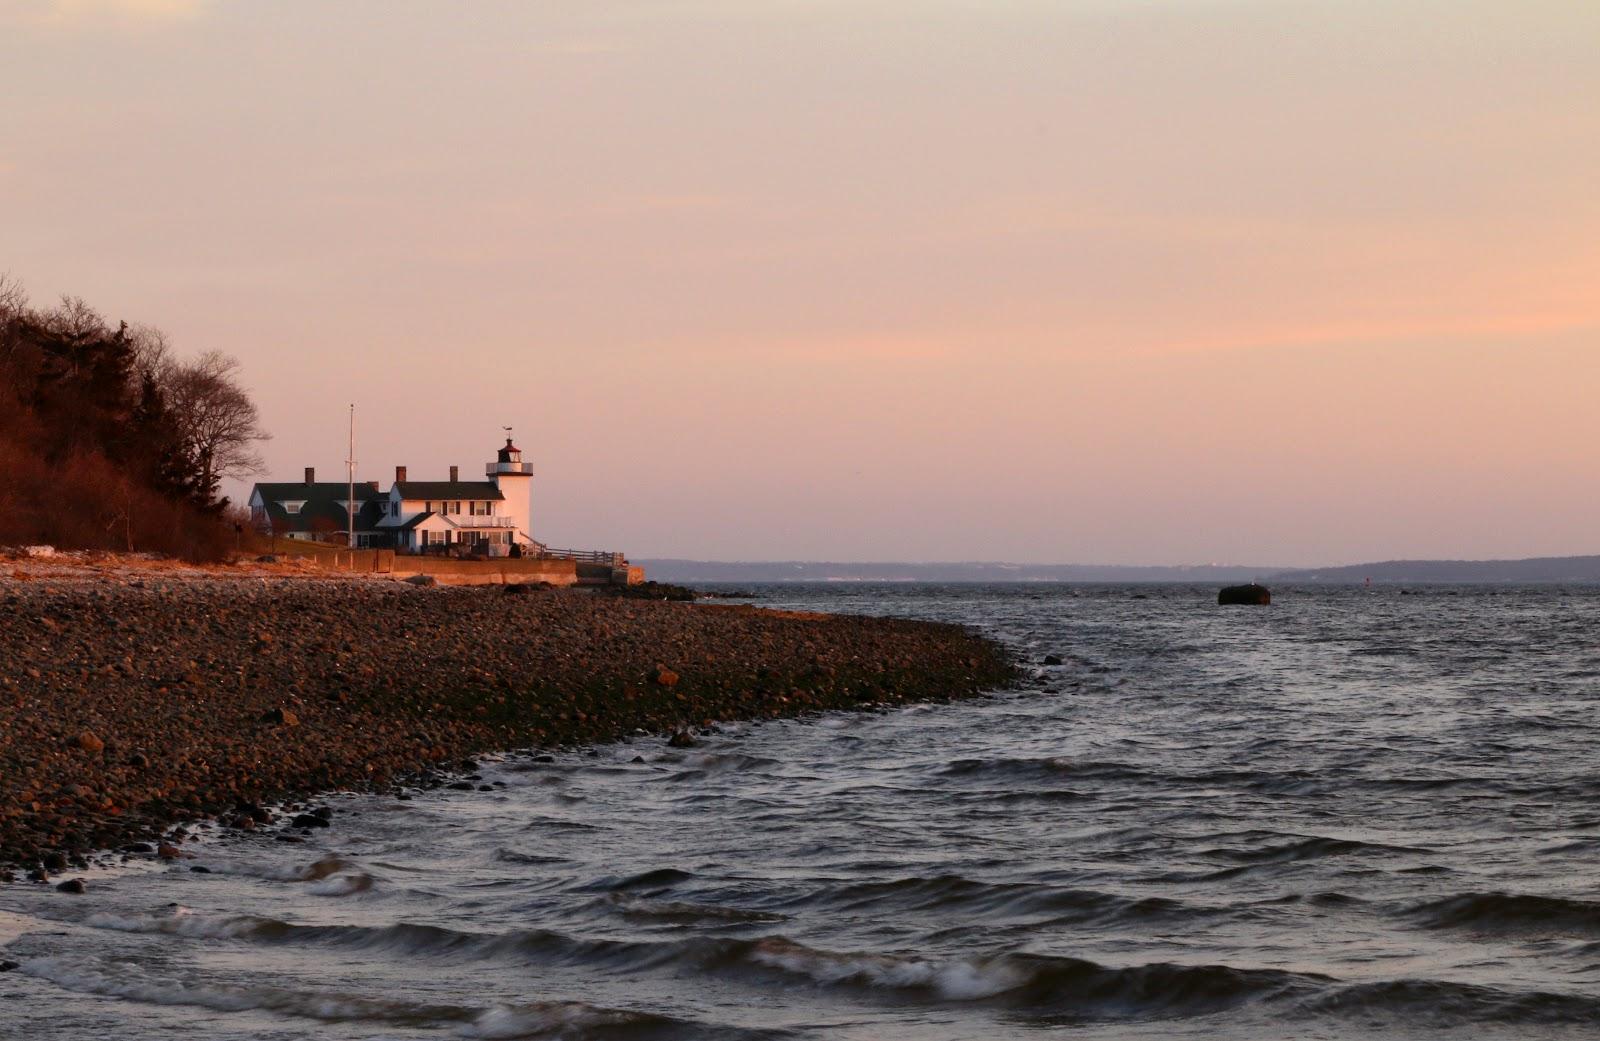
{"points": [[1252, 595]]}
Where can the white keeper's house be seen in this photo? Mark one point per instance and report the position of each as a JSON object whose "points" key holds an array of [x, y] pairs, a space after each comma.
{"points": [[492, 517]]}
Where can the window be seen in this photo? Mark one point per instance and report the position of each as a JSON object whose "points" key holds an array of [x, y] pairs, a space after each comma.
{"points": [[292, 507]]}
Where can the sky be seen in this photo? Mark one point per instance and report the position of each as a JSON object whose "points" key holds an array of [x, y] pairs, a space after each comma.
{"points": [[1106, 281]]}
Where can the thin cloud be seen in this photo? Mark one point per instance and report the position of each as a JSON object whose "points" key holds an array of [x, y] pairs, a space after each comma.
{"points": [[74, 13]]}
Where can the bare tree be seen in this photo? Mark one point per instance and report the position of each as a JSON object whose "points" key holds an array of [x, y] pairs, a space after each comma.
{"points": [[219, 423], [13, 298], [152, 352]]}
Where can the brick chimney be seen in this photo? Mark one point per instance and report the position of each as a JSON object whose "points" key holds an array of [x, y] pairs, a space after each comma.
{"points": [[373, 485], [399, 473], [455, 474], [311, 475]]}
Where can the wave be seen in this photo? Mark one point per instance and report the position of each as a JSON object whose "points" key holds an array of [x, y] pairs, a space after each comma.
{"points": [[1039, 767], [659, 878], [1040, 986], [1029, 986], [685, 912], [1314, 847], [330, 875], [1035, 984], [1441, 1003], [1001, 899], [1507, 912], [538, 1019]]}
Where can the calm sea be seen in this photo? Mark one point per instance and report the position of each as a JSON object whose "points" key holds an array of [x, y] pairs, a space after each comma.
{"points": [[1350, 815]]}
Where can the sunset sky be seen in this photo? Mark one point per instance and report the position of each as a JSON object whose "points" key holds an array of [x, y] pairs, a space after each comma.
{"points": [[1132, 281]]}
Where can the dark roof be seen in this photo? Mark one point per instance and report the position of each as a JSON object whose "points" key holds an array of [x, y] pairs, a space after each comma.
{"points": [[412, 523], [300, 491], [323, 509], [448, 490]]}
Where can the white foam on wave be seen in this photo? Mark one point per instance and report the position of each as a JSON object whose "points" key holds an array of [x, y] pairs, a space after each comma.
{"points": [[953, 980], [182, 922], [341, 885], [506, 1022]]}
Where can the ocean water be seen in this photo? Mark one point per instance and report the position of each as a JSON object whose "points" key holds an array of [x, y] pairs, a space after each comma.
{"points": [[1351, 815]]}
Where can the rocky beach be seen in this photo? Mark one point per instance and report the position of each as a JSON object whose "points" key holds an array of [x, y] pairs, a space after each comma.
{"points": [[134, 699]]}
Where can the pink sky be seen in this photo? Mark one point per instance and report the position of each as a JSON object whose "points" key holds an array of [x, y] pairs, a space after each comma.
{"points": [[1138, 281]]}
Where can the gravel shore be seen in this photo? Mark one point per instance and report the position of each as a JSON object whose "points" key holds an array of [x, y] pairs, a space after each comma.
{"points": [[130, 703]]}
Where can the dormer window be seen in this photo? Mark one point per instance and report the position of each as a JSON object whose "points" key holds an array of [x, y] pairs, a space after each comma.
{"points": [[293, 507]]}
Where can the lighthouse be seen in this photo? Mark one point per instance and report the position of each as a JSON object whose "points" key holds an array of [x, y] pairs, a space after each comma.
{"points": [[514, 478]]}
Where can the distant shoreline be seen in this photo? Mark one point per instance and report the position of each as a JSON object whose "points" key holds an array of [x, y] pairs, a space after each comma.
{"points": [[1531, 571], [137, 699]]}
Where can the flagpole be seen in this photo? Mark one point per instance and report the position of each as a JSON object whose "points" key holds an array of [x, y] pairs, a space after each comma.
{"points": [[350, 501]]}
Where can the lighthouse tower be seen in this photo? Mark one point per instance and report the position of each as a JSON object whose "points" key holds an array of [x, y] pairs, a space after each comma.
{"points": [[514, 478]]}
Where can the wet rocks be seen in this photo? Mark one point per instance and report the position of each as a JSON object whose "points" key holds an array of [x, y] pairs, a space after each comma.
{"points": [[72, 885], [309, 820], [682, 739], [1053, 659]]}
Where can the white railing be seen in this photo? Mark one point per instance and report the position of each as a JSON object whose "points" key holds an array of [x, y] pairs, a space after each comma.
{"points": [[466, 520], [584, 556], [491, 469]]}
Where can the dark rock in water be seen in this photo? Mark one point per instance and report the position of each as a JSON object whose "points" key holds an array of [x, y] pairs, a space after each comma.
{"points": [[462, 786], [197, 869], [324, 812], [7, 966], [38, 874], [167, 851], [308, 820], [55, 861], [1251, 595], [1053, 659], [682, 739], [72, 885], [138, 847]]}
